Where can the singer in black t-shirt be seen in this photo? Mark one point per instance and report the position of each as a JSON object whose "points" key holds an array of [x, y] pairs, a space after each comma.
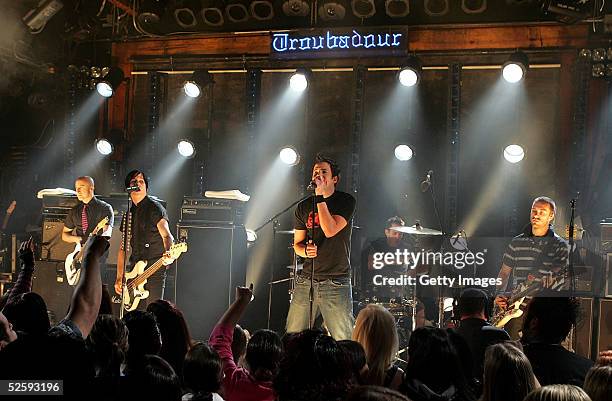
{"points": [[329, 249]]}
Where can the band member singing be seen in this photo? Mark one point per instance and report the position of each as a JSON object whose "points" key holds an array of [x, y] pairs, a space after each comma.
{"points": [[537, 252], [83, 218], [149, 235], [329, 250]]}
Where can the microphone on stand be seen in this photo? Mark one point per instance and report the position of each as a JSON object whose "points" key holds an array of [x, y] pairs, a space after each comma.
{"points": [[311, 185], [134, 188], [427, 182]]}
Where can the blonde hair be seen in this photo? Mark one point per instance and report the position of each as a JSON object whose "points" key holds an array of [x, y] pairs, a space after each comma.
{"points": [[598, 383], [375, 330], [558, 392]]}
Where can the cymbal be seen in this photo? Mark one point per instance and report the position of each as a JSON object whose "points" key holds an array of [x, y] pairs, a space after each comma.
{"points": [[416, 229]]}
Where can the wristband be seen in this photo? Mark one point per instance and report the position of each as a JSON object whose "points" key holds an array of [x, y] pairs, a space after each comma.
{"points": [[319, 199]]}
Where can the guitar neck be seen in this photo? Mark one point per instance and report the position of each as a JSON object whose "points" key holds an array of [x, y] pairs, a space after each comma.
{"points": [[149, 271]]}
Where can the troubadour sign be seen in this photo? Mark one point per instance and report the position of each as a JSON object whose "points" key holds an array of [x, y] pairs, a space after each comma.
{"points": [[357, 42]]}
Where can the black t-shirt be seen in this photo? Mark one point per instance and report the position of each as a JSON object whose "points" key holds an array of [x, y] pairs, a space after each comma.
{"points": [[96, 211], [146, 243], [333, 254], [553, 364]]}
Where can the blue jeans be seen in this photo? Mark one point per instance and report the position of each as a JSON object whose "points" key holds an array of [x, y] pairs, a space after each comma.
{"points": [[333, 299]]}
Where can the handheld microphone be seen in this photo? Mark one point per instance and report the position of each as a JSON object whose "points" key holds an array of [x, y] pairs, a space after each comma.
{"points": [[134, 188], [427, 182], [312, 185]]}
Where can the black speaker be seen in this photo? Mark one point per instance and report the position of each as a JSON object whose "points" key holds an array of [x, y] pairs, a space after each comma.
{"points": [[207, 274], [53, 247], [604, 330], [49, 281]]}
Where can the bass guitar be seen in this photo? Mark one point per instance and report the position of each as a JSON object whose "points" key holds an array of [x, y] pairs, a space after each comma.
{"points": [[72, 264], [529, 287], [134, 288]]}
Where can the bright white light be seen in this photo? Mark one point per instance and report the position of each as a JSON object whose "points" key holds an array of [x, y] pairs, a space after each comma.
{"points": [[512, 73], [403, 152], [514, 153], [251, 235], [408, 77], [298, 82], [186, 148], [104, 89], [104, 147], [191, 89], [289, 156]]}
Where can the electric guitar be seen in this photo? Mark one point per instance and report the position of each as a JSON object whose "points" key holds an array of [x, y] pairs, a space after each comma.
{"points": [[133, 290], [9, 213], [72, 264], [528, 288]]}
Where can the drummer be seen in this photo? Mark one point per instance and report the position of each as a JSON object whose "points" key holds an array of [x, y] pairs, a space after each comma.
{"points": [[392, 241]]}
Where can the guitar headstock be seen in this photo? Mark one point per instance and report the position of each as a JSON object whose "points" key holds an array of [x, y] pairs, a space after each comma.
{"points": [[11, 207], [100, 226], [177, 249]]}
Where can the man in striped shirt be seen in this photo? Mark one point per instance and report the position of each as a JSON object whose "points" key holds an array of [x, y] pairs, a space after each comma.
{"points": [[538, 251]]}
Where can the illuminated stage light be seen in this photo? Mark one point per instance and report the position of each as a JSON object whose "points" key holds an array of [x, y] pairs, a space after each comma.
{"points": [[299, 80], [186, 148], [104, 147], [515, 68], [363, 8], [199, 79], [289, 156], [331, 10], [410, 73], [403, 152], [251, 235], [109, 84], [514, 153]]}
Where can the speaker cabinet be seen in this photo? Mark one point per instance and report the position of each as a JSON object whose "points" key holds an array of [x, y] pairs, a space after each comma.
{"points": [[207, 274], [583, 333], [53, 248], [604, 333], [49, 282]]}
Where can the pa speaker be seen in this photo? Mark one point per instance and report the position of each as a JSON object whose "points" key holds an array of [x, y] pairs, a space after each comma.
{"points": [[53, 247], [207, 274]]}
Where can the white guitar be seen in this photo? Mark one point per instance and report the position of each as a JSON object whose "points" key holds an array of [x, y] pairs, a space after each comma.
{"points": [[72, 265], [135, 279]]}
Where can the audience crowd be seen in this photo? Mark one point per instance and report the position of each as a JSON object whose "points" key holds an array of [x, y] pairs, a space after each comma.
{"points": [[151, 355]]}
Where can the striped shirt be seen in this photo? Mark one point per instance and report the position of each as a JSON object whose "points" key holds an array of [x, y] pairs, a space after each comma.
{"points": [[527, 254]]}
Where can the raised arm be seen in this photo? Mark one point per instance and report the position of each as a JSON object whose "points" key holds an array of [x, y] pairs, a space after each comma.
{"points": [[23, 283], [85, 301]]}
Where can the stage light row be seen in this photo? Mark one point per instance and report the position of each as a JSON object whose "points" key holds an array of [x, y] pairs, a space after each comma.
{"points": [[185, 148], [403, 152]]}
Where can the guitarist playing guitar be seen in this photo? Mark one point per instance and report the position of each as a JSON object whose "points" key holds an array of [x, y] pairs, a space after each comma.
{"points": [[82, 219], [536, 254], [149, 236]]}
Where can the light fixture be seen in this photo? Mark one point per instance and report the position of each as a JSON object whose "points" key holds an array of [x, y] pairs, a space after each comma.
{"points": [[403, 152], [436, 8], [36, 19], [296, 8], [410, 72], [299, 80], [262, 10], [185, 13], [332, 11], [212, 13], [289, 155], [150, 12], [194, 86], [236, 11], [397, 8], [251, 235], [186, 148], [599, 54], [515, 68], [107, 86], [473, 6], [363, 8], [598, 70], [104, 146], [514, 153]]}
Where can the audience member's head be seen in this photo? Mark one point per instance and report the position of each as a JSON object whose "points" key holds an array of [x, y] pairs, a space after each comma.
{"points": [[357, 359], [108, 341], [472, 303], [239, 344], [558, 392], [263, 354], [144, 336], [152, 378], [313, 368], [598, 383], [176, 339], [375, 393], [550, 319], [433, 361], [7, 334], [28, 313], [508, 375], [202, 371], [375, 330]]}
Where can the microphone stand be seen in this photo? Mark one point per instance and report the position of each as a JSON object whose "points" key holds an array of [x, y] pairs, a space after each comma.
{"points": [[311, 291], [570, 257], [127, 231], [270, 220]]}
